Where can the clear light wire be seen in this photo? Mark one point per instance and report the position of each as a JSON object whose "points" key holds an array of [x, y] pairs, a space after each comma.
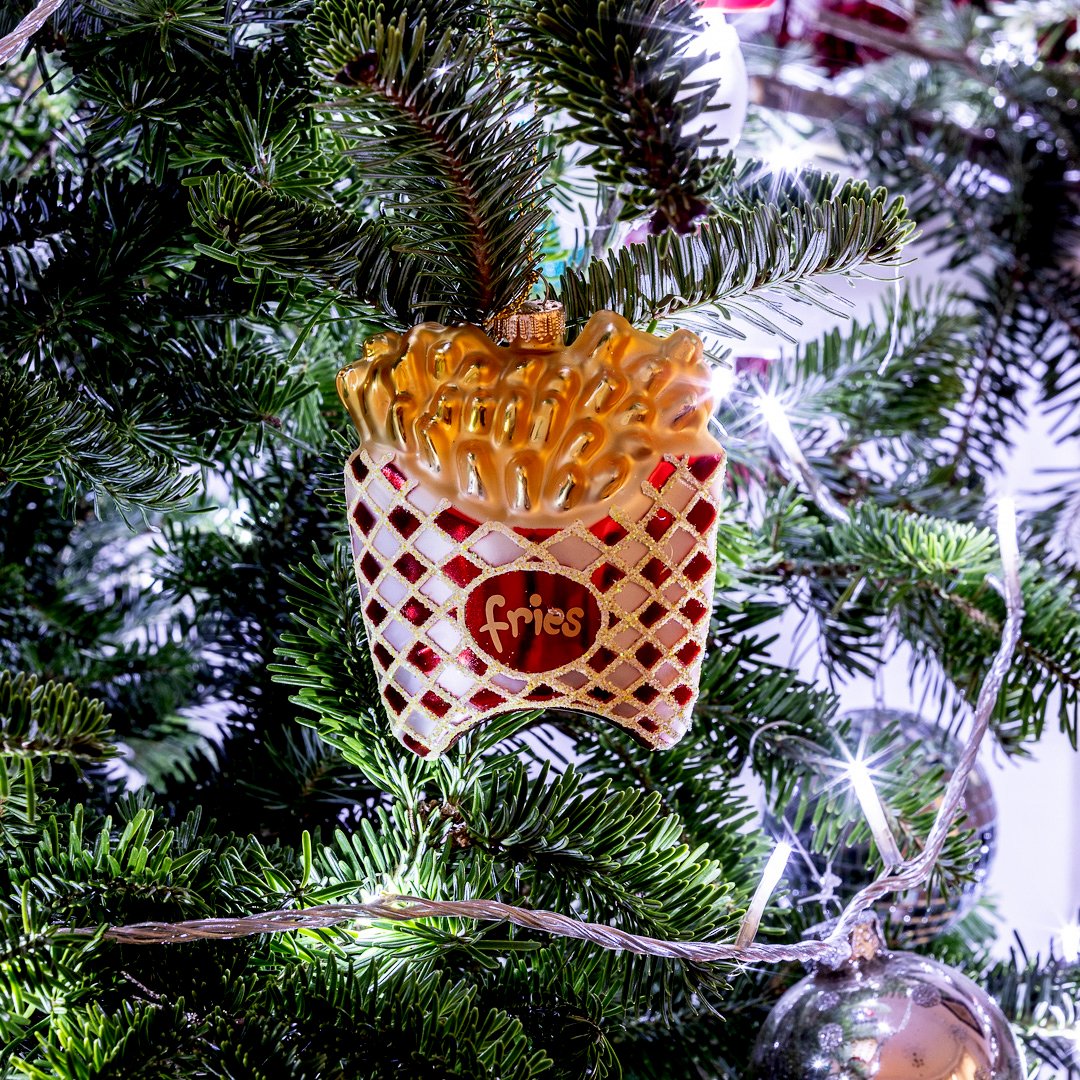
{"points": [[12, 44]]}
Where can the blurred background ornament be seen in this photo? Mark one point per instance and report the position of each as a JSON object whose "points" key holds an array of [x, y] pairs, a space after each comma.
{"points": [[890, 1016], [811, 22], [735, 6], [725, 113], [917, 916]]}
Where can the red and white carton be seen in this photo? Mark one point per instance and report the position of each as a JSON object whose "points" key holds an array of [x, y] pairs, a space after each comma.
{"points": [[502, 568]]}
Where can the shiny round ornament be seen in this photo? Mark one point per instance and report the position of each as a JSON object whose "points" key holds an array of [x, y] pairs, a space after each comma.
{"points": [[918, 915], [886, 1016]]}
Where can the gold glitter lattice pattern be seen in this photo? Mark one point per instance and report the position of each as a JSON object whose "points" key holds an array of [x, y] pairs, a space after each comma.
{"points": [[650, 572]]}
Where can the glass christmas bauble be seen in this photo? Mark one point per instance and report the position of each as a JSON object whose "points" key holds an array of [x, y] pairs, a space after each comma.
{"points": [[889, 1016], [919, 915], [534, 525]]}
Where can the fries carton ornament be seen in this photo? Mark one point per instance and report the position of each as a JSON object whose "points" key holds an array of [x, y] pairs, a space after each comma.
{"points": [[534, 525]]}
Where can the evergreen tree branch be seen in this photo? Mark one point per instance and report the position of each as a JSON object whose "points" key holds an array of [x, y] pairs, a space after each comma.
{"points": [[929, 576], [43, 434], [1039, 996], [51, 720], [37, 962], [990, 402], [438, 141], [608, 845], [254, 228], [328, 660], [890, 383], [619, 71], [90, 872], [741, 263]]}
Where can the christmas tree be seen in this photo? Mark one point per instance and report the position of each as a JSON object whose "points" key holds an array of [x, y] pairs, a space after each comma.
{"points": [[206, 210]]}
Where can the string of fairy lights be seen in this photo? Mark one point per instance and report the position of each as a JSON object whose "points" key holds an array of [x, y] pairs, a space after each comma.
{"points": [[12, 44]]}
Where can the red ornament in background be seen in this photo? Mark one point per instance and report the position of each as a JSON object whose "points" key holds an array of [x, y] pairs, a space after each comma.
{"points": [[797, 21], [753, 367], [734, 6]]}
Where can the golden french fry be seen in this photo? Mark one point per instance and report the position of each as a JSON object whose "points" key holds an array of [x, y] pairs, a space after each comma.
{"points": [[540, 433]]}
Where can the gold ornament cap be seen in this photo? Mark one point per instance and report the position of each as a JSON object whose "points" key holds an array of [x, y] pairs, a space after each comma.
{"points": [[867, 942], [537, 324]]}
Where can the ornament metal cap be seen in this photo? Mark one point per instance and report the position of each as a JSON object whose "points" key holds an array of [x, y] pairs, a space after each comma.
{"points": [[867, 942], [536, 324]]}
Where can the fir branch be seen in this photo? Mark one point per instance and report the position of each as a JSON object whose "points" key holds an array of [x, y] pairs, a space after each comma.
{"points": [[742, 263], [138, 1040], [1040, 997], [1046, 677], [327, 658], [51, 720], [233, 383], [20, 803], [44, 433], [1053, 328], [83, 873], [741, 184], [611, 852], [34, 215], [437, 139], [568, 1011], [741, 691], [38, 963], [929, 575], [606, 843], [990, 403], [198, 27], [910, 777], [389, 1025], [910, 548], [619, 71], [896, 375], [274, 140], [254, 228]]}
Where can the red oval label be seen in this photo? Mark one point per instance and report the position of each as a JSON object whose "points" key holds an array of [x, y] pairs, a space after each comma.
{"points": [[533, 621]]}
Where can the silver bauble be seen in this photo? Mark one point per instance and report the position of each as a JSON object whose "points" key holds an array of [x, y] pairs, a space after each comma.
{"points": [[917, 916], [887, 1016]]}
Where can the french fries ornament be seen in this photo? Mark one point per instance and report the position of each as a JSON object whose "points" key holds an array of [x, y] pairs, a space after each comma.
{"points": [[534, 525]]}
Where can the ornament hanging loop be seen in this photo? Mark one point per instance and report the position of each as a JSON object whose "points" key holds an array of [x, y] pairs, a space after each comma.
{"points": [[534, 325]]}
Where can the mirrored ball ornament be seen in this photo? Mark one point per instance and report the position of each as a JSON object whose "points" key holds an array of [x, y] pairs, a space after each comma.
{"points": [[887, 1016], [919, 915]]}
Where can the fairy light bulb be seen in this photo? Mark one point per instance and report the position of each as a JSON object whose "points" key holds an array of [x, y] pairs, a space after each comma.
{"points": [[783, 434], [1069, 938], [1007, 540], [874, 811], [770, 878]]}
